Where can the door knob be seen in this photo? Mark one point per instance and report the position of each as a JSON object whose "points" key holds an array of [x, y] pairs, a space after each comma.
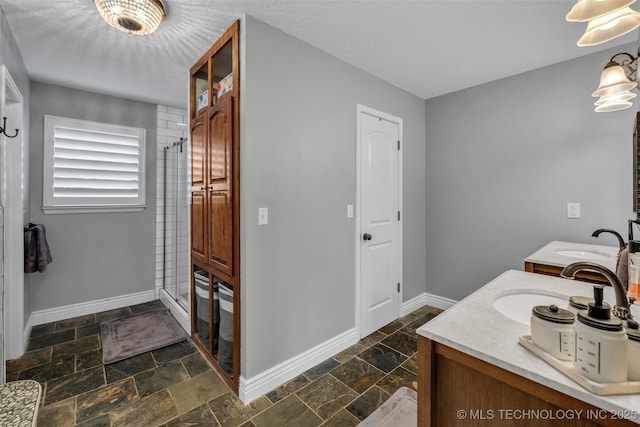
{"points": [[366, 236]]}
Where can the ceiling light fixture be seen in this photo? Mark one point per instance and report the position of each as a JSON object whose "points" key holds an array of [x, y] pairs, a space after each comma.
{"points": [[606, 20], [616, 82], [134, 17]]}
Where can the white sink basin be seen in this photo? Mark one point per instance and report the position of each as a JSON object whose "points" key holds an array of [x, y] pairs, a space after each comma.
{"points": [[517, 306], [584, 255]]}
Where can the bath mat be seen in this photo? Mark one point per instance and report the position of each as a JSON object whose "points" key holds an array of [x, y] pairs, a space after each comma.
{"points": [[137, 334], [400, 410]]}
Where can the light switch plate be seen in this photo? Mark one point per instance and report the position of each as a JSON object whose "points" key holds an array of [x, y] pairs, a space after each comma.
{"points": [[263, 216], [349, 211], [573, 210]]}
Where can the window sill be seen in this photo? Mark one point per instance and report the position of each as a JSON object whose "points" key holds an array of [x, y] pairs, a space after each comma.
{"points": [[90, 209]]}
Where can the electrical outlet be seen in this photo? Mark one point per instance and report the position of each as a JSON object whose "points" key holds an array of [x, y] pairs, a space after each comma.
{"points": [[573, 210]]}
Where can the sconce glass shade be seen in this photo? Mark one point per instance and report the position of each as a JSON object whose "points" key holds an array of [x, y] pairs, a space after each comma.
{"points": [[610, 26], [135, 17], [607, 107], [613, 80], [586, 10], [618, 98]]}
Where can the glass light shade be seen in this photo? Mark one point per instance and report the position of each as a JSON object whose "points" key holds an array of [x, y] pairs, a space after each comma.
{"points": [[610, 26], [607, 108], [135, 17], [617, 98], [586, 10], [613, 80]]}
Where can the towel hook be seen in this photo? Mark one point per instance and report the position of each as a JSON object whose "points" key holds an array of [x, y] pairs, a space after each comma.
{"points": [[3, 127]]}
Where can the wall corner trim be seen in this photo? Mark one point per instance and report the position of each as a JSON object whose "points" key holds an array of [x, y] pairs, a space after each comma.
{"points": [[258, 385], [74, 310], [426, 299]]}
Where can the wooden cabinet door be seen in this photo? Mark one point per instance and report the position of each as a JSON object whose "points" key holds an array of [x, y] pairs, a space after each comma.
{"points": [[198, 192], [220, 185]]}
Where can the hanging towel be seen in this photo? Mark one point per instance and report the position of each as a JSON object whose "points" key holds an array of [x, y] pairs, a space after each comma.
{"points": [[36, 249]]}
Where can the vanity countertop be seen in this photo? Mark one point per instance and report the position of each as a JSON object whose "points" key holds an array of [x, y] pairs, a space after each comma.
{"points": [[561, 254], [473, 326]]}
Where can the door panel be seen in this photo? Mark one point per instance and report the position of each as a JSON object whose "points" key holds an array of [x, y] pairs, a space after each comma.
{"points": [[198, 155], [221, 237], [379, 222], [221, 145]]}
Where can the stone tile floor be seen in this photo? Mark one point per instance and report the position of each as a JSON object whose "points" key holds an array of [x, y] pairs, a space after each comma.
{"points": [[175, 386]]}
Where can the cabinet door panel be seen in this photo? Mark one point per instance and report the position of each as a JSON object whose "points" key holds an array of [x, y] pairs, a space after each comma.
{"points": [[221, 232], [198, 155], [220, 145], [198, 226]]}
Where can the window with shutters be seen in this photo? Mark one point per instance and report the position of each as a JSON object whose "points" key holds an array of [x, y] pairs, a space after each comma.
{"points": [[92, 167]]}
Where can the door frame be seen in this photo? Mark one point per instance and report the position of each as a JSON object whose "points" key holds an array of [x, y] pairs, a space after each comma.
{"points": [[363, 109]]}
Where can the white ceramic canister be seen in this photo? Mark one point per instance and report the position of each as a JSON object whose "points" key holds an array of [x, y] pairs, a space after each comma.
{"points": [[633, 332], [601, 349], [552, 330]]}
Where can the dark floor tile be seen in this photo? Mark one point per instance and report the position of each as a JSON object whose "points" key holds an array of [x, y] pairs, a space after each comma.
{"points": [[61, 414], [195, 364], [342, 419], [153, 380], [358, 374], [321, 369], [44, 373], [411, 364], [397, 378], [29, 360], [411, 327], [326, 396], [128, 367], [88, 359], [248, 424], [368, 402], [88, 330], [287, 388], [173, 352], [71, 348], [231, 412], [118, 313], [383, 357], [105, 399], [200, 417], [147, 306], [12, 376], [289, 412], [347, 354], [392, 327], [372, 339], [40, 330], [102, 421], [427, 309], [75, 322], [197, 390], [51, 339], [152, 410], [401, 342], [71, 385]]}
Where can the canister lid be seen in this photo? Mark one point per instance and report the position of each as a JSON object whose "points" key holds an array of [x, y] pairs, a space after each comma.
{"points": [[580, 302], [553, 313], [633, 330], [612, 324]]}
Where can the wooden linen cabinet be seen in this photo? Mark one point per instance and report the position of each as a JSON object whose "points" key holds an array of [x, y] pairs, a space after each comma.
{"points": [[215, 205]]}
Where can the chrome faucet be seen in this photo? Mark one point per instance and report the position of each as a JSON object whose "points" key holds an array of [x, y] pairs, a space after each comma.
{"points": [[621, 242], [621, 309]]}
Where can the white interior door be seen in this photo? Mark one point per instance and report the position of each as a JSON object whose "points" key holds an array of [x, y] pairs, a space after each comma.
{"points": [[379, 154]]}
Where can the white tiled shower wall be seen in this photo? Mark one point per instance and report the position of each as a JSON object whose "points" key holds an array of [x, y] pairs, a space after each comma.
{"points": [[169, 131]]}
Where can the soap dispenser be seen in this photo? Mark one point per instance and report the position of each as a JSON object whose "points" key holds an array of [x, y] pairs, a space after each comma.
{"points": [[601, 342]]}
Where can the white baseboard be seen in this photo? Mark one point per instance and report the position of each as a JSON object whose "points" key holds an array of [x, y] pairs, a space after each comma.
{"points": [[27, 333], [176, 310], [252, 388], [425, 299], [74, 310]]}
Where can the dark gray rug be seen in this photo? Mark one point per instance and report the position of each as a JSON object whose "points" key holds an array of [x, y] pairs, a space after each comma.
{"points": [[137, 334]]}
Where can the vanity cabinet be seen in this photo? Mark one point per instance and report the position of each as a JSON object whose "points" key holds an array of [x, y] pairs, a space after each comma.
{"points": [[552, 270], [457, 389], [215, 201]]}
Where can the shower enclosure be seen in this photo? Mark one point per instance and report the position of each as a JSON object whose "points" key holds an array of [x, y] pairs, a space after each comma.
{"points": [[176, 222]]}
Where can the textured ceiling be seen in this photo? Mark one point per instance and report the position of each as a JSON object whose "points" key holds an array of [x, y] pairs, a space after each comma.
{"points": [[428, 48]]}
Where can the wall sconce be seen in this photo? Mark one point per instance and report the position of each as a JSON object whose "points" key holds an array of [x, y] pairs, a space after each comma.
{"points": [[4, 126], [606, 20], [616, 82]]}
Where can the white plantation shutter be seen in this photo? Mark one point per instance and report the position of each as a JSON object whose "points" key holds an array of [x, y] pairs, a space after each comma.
{"points": [[91, 166]]}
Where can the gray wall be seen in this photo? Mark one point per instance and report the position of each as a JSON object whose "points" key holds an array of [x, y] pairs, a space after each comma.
{"points": [[95, 255], [11, 57], [298, 147], [504, 158]]}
